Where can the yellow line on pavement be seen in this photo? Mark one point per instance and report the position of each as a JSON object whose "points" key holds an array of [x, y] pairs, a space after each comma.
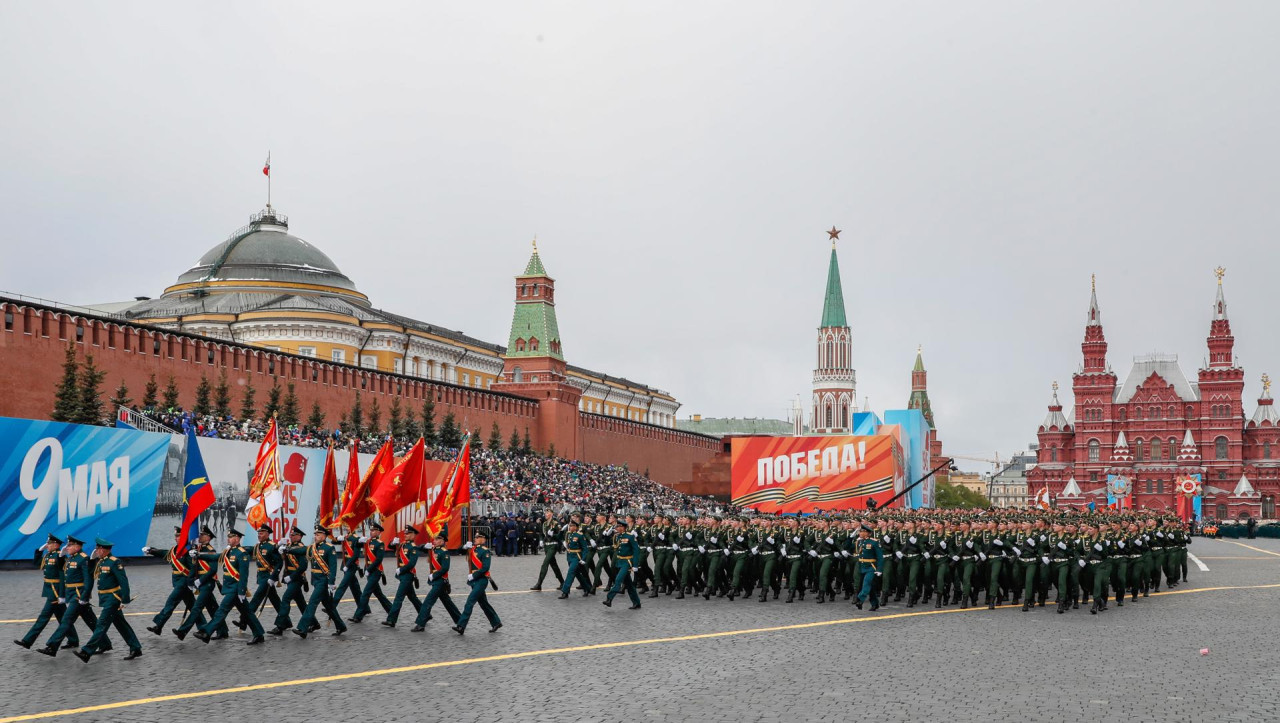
{"points": [[1238, 557], [532, 654], [344, 602], [1255, 549]]}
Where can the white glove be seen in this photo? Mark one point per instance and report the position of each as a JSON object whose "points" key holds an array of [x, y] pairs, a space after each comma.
{"points": [[714, 541], [969, 544], [846, 553], [146, 550], [898, 554], [878, 574], [661, 536], [676, 548], [339, 538], [287, 578], [192, 553], [470, 578], [1017, 551], [912, 539], [1138, 542], [886, 539], [702, 549], [197, 582], [1062, 545], [430, 546], [1043, 538], [1044, 559], [61, 601], [1082, 563], [541, 544], [927, 556], [942, 544], [739, 538], [1120, 543], [688, 535], [982, 557], [282, 546], [1159, 534], [1097, 546], [998, 542], [829, 541], [332, 590], [813, 553], [363, 539], [784, 550], [726, 553], [755, 550], [593, 544], [244, 599], [769, 539], [955, 558], [467, 545]]}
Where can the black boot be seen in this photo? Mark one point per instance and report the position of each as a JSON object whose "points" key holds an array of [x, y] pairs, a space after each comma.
{"points": [[1026, 606], [991, 603], [680, 595], [791, 595], [1093, 609], [820, 598], [764, 594], [938, 602]]}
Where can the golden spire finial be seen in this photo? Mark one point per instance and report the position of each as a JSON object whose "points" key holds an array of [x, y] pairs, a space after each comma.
{"points": [[1266, 384], [919, 348], [1220, 272], [535, 243], [1093, 282], [1055, 387]]}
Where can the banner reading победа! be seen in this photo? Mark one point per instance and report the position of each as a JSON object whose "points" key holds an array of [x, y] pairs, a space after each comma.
{"points": [[805, 474]]}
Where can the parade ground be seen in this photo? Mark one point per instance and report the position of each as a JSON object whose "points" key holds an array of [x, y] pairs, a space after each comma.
{"points": [[675, 660]]}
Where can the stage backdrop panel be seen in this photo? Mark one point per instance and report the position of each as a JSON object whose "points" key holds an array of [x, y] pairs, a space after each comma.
{"points": [[71, 479], [806, 474]]}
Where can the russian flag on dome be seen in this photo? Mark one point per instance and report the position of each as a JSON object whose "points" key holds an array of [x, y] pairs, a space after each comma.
{"points": [[197, 493], [266, 167]]}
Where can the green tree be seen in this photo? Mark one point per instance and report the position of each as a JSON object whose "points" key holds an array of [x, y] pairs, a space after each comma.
{"points": [[66, 404], [477, 442], [411, 429], [357, 417], [429, 419], [526, 447], [315, 422], [450, 435], [395, 419], [514, 445], [495, 438], [222, 396], [171, 393], [149, 393], [273, 400], [121, 398], [247, 409], [949, 496], [203, 393], [290, 415], [551, 449], [343, 425], [375, 418], [90, 407]]}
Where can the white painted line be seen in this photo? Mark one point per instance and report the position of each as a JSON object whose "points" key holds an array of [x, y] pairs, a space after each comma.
{"points": [[1203, 567]]}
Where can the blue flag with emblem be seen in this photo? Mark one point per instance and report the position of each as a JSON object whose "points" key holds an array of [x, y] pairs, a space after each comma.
{"points": [[197, 493]]}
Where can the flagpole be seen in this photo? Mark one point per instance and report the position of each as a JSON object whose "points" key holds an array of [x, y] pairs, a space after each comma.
{"points": [[279, 478], [268, 179]]}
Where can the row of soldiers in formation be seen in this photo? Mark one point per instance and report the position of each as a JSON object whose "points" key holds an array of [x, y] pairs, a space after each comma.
{"points": [[199, 573], [921, 556]]}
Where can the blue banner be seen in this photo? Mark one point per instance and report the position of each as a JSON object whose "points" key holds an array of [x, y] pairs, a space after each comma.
{"points": [[79, 480]]}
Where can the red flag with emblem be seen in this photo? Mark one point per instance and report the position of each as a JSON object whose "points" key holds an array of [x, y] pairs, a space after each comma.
{"points": [[456, 493], [359, 506], [329, 491], [402, 484]]}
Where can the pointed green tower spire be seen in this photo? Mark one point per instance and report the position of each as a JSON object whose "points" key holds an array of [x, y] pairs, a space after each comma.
{"points": [[833, 306], [920, 389], [534, 329]]}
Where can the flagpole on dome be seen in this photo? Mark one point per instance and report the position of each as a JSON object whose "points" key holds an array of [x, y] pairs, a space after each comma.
{"points": [[266, 171]]}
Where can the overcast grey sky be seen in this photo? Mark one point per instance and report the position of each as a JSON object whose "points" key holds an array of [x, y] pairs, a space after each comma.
{"points": [[679, 163]]}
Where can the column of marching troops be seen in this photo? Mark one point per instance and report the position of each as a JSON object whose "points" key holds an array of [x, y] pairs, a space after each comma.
{"points": [[890, 556], [208, 585]]}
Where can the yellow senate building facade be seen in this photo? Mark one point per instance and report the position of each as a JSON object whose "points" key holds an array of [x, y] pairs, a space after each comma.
{"points": [[266, 287]]}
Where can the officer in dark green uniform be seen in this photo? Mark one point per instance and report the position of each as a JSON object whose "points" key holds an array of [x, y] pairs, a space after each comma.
{"points": [[625, 550], [406, 576], [575, 544], [269, 563], [437, 582], [77, 582], [181, 573], [478, 560], [323, 559], [234, 564], [205, 559], [113, 595], [294, 577], [352, 552], [52, 591], [549, 542], [376, 578], [870, 560]]}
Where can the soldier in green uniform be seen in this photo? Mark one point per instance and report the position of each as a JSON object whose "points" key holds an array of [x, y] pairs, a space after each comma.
{"points": [[113, 595], [966, 544], [478, 560], [911, 549], [53, 592], [77, 581], [625, 550], [870, 559], [575, 544], [1060, 564], [603, 549], [234, 563], [406, 575], [768, 548], [1027, 553], [549, 542], [269, 564], [739, 551], [323, 558], [1095, 555], [437, 583], [352, 546], [712, 549], [375, 576], [294, 554], [204, 558], [995, 557], [181, 574]]}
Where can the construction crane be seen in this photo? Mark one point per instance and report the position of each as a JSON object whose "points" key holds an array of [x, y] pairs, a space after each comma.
{"points": [[995, 463]]}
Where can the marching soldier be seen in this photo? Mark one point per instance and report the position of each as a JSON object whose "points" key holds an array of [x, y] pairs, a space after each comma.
{"points": [[478, 560], [269, 563], [113, 595], [870, 558], [294, 576], [323, 559], [438, 582], [373, 548], [549, 542], [181, 573], [352, 551], [406, 576], [53, 592], [575, 544], [77, 582], [205, 579], [625, 550], [234, 563]]}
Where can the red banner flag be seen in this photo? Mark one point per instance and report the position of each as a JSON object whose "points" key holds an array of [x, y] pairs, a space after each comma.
{"points": [[402, 484], [265, 489], [353, 477], [456, 492], [328, 491], [359, 506]]}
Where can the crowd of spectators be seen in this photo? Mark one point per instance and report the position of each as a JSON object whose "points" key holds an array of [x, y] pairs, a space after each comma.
{"points": [[502, 476]]}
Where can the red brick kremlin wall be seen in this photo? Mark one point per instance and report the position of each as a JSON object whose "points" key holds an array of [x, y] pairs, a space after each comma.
{"points": [[34, 338]]}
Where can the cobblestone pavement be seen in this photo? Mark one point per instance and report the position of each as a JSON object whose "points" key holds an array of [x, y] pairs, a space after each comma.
{"points": [[707, 661]]}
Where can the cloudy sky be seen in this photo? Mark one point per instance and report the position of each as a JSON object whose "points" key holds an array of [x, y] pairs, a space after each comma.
{"points": [[679, 163]]}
